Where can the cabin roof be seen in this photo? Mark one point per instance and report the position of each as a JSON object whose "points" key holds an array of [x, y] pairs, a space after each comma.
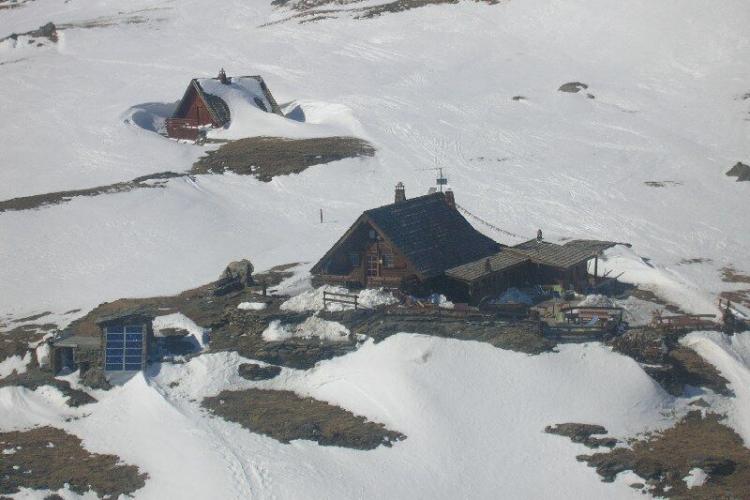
{"points": [[240, 91], [134, 317], [432, 235], [564, 256], [78, 342], [477, 269]]}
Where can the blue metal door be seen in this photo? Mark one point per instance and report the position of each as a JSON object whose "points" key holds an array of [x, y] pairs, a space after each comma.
{"points": [[124, 348]]}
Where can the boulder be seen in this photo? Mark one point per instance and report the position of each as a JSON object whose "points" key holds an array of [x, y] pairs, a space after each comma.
{"points": [[252, 371], [741, 171], [241, 270], [572, 87]]}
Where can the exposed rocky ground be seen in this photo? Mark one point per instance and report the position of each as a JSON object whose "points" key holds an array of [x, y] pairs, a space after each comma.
{"points": [[664, 459], [583, 433], [262, 157], [48, 458], [317, 10], [12, 4], [268, 157], [42, 200], [47, 32], [670, 364], [285, 416]]}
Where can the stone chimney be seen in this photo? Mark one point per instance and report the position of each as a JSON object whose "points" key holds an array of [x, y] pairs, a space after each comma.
{"points": [[450, 199], [400, 193], [223, 77]]}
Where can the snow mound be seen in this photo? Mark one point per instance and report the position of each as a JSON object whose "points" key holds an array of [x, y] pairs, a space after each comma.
{"points": [[312, 327], [252, 306], [312, 300], [597, 301], [731, 356], [182, 322], [14, 363], [696, 477], [21, 408]]}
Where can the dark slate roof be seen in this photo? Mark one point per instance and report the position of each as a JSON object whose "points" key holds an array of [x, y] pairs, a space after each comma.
{"points": [[431, 235], [479, 268], [572, 253]]}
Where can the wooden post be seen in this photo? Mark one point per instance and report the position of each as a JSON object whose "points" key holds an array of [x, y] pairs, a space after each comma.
{"points": [[596, 269], [321, 216]]}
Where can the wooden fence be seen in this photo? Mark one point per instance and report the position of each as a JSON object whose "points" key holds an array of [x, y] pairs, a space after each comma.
{"points": [[340, 298]]}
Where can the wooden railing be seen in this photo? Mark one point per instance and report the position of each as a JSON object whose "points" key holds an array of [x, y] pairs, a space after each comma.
{"points": [[340, 298], [182, 128]]}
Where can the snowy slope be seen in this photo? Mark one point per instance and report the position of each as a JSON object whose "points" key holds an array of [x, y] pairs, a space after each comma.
{"points": [[436, 81], [474, 427]]}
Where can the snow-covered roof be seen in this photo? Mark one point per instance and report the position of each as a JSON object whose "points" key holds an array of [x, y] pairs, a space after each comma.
{"points": [[225, 100]]}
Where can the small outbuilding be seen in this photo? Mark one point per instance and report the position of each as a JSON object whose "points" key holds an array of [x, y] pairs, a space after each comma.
{"points": [[124, 343], [212, 102]]}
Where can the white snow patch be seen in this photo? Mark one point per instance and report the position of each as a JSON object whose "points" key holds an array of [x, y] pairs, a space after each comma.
{"points": [[179, 321], [252, 306], [21, 408], [696, 477], [43, 351], [14, 363], [311, 327]]}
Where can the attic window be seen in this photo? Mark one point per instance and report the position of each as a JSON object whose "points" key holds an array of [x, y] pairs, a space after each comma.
{"points": [[259, 103], [354, 259], [373, 234], [388, 260]]}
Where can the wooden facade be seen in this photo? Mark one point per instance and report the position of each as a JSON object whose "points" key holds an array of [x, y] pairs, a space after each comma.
{"points": [[191, 115], [367, 260]]}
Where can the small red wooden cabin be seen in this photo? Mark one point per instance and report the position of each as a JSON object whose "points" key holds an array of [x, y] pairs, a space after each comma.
{"points": [[208, 103]]}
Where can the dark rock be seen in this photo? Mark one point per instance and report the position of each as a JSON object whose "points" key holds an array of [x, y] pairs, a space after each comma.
{"points": [[741, 171], [47, 31], [714, 466], [252, 371], [572, 87], [241, 270], [95, 379], [582, 433]]}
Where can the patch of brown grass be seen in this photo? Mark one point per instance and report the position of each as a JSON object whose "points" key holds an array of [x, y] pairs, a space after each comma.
{"points": [[47, 458], [285, 416], [665, 458], [268, 157]]}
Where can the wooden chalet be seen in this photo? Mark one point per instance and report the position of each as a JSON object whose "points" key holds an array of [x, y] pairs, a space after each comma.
{"points": [[405, 244], [210, 102], [426, 245]]}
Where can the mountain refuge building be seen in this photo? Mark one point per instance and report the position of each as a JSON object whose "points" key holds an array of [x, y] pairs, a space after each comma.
{"points": [[213, 102], [425, 245]]}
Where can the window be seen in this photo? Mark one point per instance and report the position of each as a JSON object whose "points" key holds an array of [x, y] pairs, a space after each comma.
{"points": [[388, 260], [372, 265], [354, 259]]}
